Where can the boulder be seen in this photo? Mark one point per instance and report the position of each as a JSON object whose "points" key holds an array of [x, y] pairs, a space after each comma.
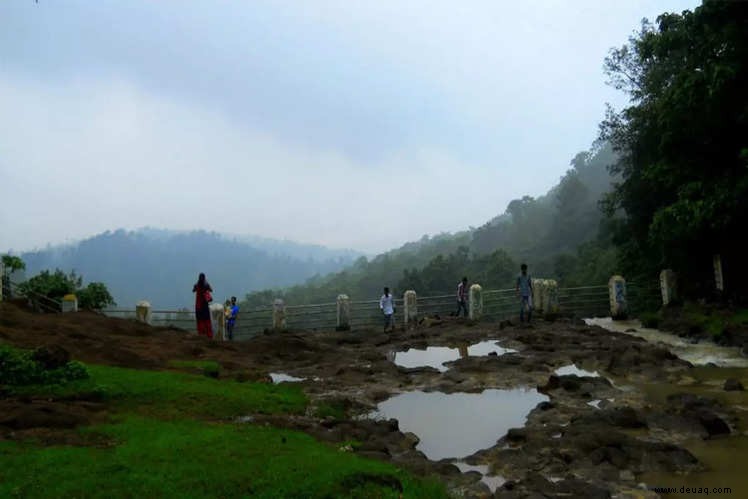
{"points": [[732, 385]]}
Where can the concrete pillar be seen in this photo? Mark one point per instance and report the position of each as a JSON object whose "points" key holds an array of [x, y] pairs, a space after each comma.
{"points": [[617, 294], [410, 304], [70, 303], [143, 312], [344, 313], [551, 305], [279, 314], [218, 318], [668, 286], [719, 281], [475, 305]]}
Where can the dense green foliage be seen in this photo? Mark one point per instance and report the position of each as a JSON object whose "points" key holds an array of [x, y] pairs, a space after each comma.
{"points": [[55, 285], [557, 234], [683, 144], [161, 266], [12, 263], [18, 368]]}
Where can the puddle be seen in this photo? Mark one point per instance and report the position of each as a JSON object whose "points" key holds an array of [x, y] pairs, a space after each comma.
{"points": [[492, 481], [284, 378], [572, 369], [702, 353], [459, 424], [436, 357], [594, 403]]}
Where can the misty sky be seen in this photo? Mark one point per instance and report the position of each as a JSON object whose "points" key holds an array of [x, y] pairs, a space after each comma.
{"points": [[347, 124]]}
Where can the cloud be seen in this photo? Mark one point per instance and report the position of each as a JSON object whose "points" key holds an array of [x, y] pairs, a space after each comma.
{"points": [[91, 155]]}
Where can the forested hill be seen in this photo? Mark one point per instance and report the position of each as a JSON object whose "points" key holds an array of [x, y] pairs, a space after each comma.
{"points": [[161, 265], [557, 234]]}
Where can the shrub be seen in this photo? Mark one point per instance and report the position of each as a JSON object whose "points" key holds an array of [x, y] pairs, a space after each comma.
{"points": [[18, 368]]}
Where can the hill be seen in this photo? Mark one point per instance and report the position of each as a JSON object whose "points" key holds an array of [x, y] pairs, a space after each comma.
{"points": [[161, 265]]}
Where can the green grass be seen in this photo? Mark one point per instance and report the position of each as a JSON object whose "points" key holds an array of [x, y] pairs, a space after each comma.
{"points": [[171, 435], [192, 459], [209, 368], [173, 394]]}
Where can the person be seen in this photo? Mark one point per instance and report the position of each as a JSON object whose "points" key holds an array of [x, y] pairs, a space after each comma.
{"points": [[387, 305], [524, 291], [462, 296], [203, 298], [231, 314]]}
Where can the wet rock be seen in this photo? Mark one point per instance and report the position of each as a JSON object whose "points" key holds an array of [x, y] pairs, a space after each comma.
{"points": [[516, 435], [545, 406], [732, 385], [621, 417], [51, 357], [554, 382], [713, 424], [570, 383], [580, 488]]}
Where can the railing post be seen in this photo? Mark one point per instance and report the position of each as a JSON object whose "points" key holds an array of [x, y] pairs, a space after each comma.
{"points": [[410, 304], [279, 314], [617, 294], [218, 316], [475, 304], [70, 303], [143, 312], [668, 286], [719, 280], [344, 313]]}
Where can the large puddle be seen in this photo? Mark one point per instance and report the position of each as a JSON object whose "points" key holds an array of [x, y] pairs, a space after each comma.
{"points": [[459, 424], [436, 357], [701, 353]]}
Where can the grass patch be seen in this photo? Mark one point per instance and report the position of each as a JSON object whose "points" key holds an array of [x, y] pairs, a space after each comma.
{"points": [[336, 409], [191, 459], [209, 368], [20, 368], [173, 394]]}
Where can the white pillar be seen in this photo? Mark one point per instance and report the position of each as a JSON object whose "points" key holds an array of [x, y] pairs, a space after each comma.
{"points": [[551, 298], [218, 317], [143, 312], [719, 281], [70, 303], [279, 314], [344, 313], [475, 305], [668, 286], [617, 294], [410, 304]]}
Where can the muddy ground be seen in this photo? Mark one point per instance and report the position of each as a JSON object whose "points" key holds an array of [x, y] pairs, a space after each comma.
{"points": [[568, 448]]}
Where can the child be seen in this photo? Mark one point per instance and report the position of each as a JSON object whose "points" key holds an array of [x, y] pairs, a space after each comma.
{"points": [[232, 312]]}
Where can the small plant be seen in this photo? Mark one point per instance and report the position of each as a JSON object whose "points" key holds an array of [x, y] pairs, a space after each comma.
{"points": [[650, 320], [18, 368]]}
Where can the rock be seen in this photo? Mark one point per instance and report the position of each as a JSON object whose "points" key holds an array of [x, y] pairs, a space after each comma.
{"points": [[626, 475], [516, 435], [713, 424], [545, 406], [554, 381], [579, 488], [732, 385], [570, 383], [631, 330], [51, 357]]}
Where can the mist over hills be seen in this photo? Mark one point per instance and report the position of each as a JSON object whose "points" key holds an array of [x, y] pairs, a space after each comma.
{"points": [[162, 265]]}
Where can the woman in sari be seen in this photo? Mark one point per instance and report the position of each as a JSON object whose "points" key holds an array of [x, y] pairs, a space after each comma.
{"points": [[203, 298]]}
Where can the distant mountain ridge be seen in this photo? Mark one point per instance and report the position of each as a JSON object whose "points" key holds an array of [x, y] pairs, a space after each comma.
{"points": [[160, 265]]}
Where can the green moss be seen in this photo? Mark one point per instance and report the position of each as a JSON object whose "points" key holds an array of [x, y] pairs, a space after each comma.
{"points": [[333, 408]]}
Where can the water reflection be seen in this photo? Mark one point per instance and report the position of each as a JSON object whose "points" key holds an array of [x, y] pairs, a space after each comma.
{"points": [[284, 378], [699, 353], [493, 481], [436, 357], [572, 369], [459, 424]]}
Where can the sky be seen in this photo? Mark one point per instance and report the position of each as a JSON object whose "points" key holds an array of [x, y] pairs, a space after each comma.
{"points": [[348, 124]]}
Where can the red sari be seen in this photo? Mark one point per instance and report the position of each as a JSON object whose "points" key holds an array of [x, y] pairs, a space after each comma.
{"points": [[202, 310]]}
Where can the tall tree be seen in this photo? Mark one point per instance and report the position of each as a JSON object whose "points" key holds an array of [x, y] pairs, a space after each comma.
{"points": [[683, 140]]}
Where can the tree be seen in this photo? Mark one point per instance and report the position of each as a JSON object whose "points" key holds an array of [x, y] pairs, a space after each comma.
{"points": [[95, 296], [683, 191], [13, 263]]}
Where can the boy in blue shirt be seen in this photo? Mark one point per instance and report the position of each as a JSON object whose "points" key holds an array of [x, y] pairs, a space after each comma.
{"points": [[232, 313]]}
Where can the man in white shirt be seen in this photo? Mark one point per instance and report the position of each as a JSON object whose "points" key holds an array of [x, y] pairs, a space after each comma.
{"points": [[387, 305]]}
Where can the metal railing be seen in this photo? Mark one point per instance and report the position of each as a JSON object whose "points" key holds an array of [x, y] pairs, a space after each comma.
{"points": [[38, 301]]}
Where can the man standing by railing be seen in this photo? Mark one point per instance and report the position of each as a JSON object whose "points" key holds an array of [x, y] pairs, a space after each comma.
{"points": [[524, 290], [462, 296], [387, 305]]}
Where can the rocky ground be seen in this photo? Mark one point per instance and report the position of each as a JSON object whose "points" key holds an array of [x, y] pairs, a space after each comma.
{"points": [[568, 448]]}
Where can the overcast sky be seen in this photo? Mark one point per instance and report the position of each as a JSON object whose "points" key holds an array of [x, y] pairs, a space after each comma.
{"points": [[348, 124]]}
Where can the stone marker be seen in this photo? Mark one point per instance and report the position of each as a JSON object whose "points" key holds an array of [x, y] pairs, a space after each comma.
{"points": [[475, 302], [668, 286], [70, 303], [719, 281], [410, 305], [218, 317], [617, 294], [279, 314], [344, 313], [143, 311]]}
